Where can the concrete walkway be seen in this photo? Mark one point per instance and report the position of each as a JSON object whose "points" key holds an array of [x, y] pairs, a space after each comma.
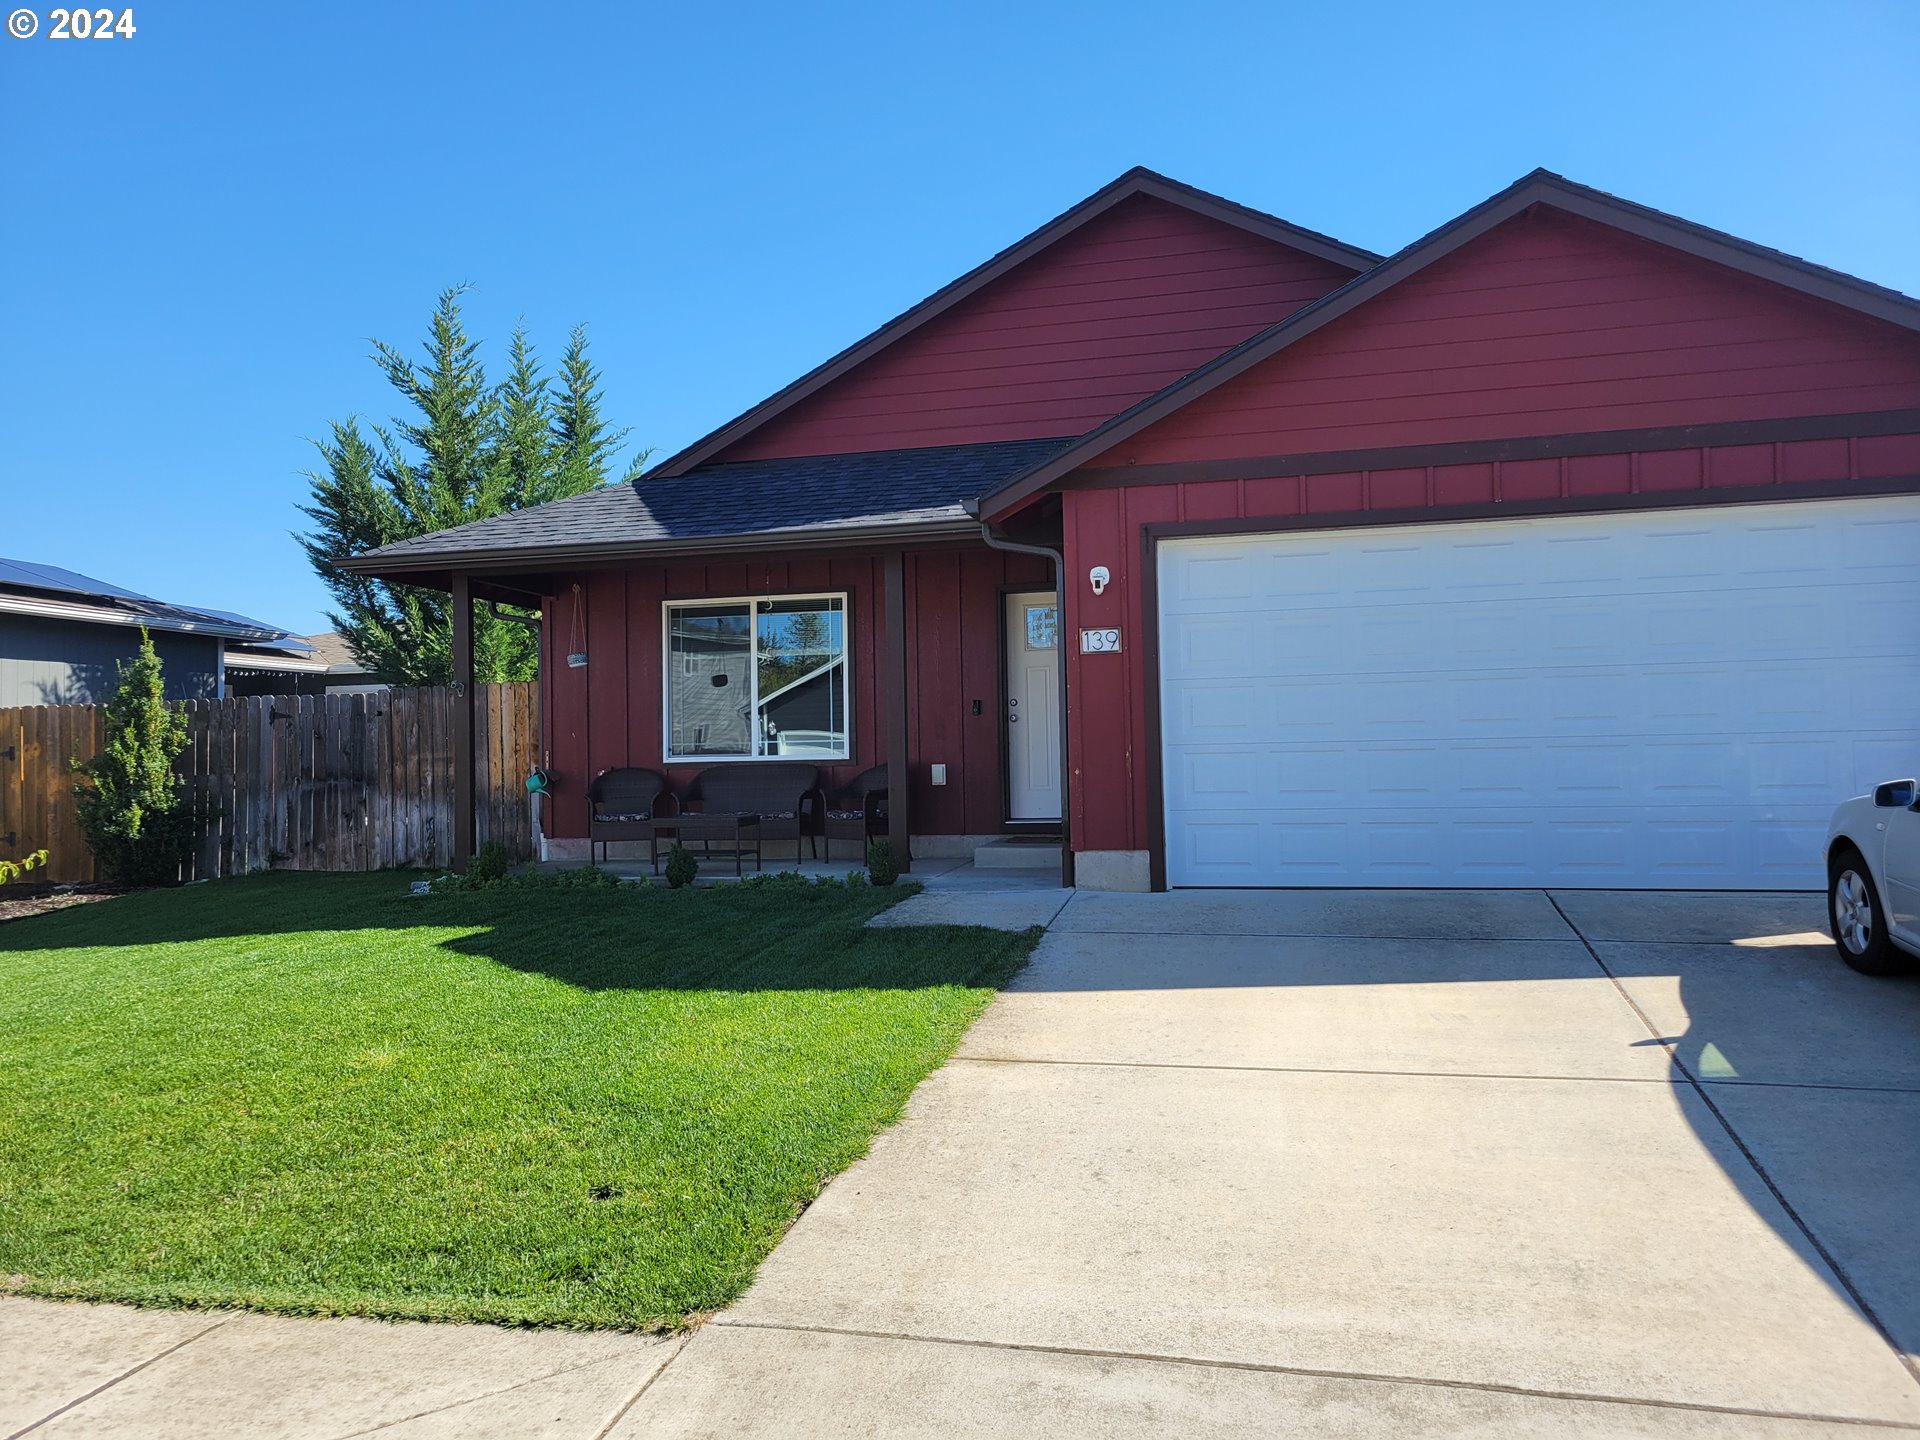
{"points": [[1319, 1163]]}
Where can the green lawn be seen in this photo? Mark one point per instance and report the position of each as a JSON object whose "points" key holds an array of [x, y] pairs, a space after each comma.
{"points": [[313, 1094]]}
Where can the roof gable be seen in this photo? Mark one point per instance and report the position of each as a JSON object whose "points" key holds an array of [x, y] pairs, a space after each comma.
{"points": [[1618, 223], [1128, 289]]}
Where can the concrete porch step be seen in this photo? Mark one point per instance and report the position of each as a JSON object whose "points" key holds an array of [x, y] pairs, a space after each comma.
{"points": [[1017, 854]]}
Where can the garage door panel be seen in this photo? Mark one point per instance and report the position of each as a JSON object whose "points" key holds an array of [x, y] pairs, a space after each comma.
{"points": [[1216, 712], [1707, 850], [1621, 700]]}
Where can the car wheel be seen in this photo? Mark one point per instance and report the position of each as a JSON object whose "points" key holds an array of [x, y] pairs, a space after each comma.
{"points": [[1858, 918]]}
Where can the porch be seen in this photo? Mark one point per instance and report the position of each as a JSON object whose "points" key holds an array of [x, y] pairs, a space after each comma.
{"points": [[842, 612], [950, 874]]}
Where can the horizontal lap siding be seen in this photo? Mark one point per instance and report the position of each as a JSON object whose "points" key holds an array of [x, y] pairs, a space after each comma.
{"points": [[1547, 325], [1109, 314], [1107, 715], [607, 714]]}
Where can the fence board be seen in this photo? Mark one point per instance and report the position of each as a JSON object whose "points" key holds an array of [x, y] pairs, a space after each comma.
{"points": [[331, 782]]}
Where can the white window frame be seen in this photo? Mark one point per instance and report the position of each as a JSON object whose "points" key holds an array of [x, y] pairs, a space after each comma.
{"points": [[752, 602]]}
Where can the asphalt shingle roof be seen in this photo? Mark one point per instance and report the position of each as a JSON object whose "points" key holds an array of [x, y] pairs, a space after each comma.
{"points": [[877, 489]]}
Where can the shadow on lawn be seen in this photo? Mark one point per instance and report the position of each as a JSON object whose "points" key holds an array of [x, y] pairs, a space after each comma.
{"points": [[723, 939]]}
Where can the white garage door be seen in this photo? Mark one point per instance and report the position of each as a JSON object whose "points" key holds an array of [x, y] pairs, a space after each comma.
{"points": [[1647, 700]]}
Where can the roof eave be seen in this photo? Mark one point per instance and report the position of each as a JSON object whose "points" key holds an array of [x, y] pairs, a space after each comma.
{"points": [[106, 615], [291, 664], [407, 568]]}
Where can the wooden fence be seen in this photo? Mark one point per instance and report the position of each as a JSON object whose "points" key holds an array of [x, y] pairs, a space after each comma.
{"points": [[295, 782]]}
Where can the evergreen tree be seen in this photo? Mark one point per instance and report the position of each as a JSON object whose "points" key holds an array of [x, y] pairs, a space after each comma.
{"points": [[583, 443], [523, 444], [132, 808], [463, 451]]}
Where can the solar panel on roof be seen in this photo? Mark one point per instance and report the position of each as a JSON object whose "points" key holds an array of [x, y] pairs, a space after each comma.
{"points": [[21, 574], [52, 577], [233, 617]]}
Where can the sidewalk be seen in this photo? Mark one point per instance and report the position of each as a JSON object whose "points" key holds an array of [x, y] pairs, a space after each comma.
{"points": [[110, 1371]]}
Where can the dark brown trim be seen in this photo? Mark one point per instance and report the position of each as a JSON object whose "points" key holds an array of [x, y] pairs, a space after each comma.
{"points": [[1149, 588], [893, 697], [1539, 188], [462, 606], [1149, 584], [1137, 181], [1528, 447]]}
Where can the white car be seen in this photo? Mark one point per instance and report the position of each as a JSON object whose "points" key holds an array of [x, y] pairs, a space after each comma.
{"points": [[1873, 878]]}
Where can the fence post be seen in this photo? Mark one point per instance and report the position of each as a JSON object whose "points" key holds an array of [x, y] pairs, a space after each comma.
{"points": [[462, 721]]}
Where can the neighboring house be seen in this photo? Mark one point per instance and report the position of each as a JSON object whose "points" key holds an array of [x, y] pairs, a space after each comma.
{"points": [[64, 635], [1574, 544], [298, 665]]}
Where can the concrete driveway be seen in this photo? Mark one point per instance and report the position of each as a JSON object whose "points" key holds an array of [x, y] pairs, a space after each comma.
{"points": [[1366, 1164]]}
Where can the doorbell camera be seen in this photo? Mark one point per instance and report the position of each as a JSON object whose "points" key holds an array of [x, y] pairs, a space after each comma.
{"points": [[1099, 578]]}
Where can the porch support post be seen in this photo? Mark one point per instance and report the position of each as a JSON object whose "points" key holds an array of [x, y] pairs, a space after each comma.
{"points": [[893, 700], [462, 721]]}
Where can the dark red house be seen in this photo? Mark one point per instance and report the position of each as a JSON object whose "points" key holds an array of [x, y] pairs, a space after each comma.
{"points": [[1573, 544]]}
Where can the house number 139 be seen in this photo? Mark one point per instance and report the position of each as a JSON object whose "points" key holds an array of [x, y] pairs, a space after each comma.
{"points": [[1100, 642]]}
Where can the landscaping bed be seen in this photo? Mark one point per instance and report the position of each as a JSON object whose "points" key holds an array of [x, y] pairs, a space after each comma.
{"points": [[315, 1094], [17, 901]]}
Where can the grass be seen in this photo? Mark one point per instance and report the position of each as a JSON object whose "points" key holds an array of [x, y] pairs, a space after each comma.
{"points": [[311, 1094]]}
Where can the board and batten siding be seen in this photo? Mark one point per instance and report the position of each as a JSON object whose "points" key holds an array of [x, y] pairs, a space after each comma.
{"points": [[1103, 317], [1106, 712], [1549, 324], [49, 661], [606, 714]]}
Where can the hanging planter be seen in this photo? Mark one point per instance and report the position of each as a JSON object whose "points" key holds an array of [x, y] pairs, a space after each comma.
{"points": [[577, 649]]}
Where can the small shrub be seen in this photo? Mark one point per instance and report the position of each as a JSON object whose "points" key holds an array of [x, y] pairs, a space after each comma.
{"points": [[681, 866], [856, 880], [488, 865], [587, 877], [14, 869], [133, 811], [778, 880], [882, 867]]}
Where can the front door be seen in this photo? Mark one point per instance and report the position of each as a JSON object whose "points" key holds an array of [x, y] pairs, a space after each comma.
{"points": [[1033, 706]]}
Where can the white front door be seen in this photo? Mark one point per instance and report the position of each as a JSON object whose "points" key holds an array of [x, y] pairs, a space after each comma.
{"points": [[1033, 706]]}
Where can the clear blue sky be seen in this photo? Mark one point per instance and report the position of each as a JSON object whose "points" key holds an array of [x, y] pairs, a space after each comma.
{"points": [[201, 227]]}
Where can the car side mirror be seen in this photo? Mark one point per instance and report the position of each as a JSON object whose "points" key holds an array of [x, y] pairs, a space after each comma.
{"points": [[1895, 794]]}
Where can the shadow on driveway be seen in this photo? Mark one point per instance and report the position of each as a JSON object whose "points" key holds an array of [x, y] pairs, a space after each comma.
{"points": [[1812, 1070]]}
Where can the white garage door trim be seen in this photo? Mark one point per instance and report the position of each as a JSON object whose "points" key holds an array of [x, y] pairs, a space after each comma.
{"points": [[1650, 699]]}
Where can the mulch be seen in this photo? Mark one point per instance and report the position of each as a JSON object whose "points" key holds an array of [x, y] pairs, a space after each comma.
{"points": [[40, 902]]}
